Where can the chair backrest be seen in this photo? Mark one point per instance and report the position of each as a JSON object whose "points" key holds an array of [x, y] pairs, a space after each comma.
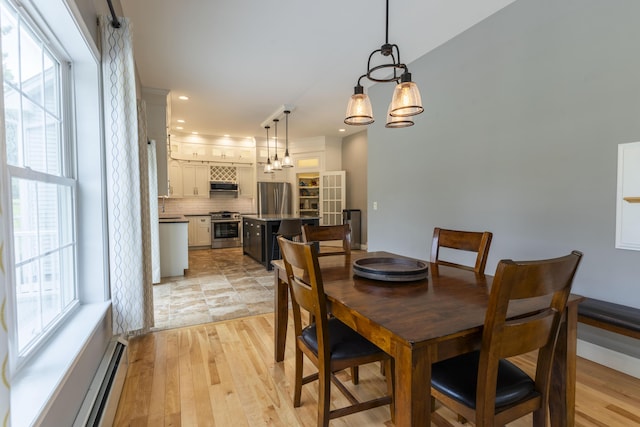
{"points": [[471, 241], [326, 233], [306, 286], [290, 228], [505, 337]]}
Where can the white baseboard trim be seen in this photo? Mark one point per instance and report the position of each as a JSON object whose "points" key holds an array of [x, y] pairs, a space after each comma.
{"points": [[609, 358]]}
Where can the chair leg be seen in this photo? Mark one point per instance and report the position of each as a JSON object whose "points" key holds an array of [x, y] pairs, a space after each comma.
{"points": [[297, 392], [324, 396], [355, 375]]}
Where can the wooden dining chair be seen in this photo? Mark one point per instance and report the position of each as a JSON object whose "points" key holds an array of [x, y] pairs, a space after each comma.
{"points": [[471, 241], [328, 233], [330, 344], [483, 386]]}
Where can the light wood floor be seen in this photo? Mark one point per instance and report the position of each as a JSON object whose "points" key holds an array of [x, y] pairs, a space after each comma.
{"points": [[224, 374]]}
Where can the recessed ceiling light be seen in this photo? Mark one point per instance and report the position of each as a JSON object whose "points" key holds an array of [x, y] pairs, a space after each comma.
{"points": [[179, 127], [194, 132], [184, 98], [180, 121], [342, 130], [226, 135]]}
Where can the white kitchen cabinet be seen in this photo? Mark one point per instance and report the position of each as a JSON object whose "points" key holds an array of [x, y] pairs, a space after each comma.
{"points": [[183, 151], [199, 230], [195, 180], [246, 182], [175, 179], [174, 251]]}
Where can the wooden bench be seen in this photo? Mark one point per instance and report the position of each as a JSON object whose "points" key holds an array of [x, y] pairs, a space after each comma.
{"points": [[616, 318]]}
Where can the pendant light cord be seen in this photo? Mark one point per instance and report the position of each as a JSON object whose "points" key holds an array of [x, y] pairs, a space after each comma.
{"points": [[386, 39]]}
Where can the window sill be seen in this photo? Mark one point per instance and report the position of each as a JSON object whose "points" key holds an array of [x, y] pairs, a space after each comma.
{"points": [[41, 379]]}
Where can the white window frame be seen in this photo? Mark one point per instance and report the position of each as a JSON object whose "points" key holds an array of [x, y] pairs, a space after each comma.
{"points": [[65, 179]]}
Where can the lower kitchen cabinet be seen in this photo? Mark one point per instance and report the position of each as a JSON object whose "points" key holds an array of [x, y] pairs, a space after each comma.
{"points": [[199, 231], [252, 239], [259, 236]]}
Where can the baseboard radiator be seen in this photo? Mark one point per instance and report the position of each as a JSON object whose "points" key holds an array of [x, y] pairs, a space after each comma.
{"points": [[100, 404]]}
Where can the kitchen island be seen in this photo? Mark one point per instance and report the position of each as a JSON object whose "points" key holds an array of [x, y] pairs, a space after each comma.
{"points": [[258, 234]]}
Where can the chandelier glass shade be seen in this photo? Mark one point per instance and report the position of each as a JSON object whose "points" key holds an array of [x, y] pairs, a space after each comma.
{"points": [[406, 99], [287, 162], [397, 121]]}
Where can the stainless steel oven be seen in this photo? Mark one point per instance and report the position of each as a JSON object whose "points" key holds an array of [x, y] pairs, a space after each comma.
{"points": [[226, 230]]}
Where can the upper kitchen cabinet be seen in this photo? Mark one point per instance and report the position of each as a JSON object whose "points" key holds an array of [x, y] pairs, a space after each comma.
{"points": [[195, 180], [246, 182], [216, 150], [157, 101], [175, 179]]}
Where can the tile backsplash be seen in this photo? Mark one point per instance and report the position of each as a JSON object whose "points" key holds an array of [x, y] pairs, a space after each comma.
{"points": [[191, 206]]}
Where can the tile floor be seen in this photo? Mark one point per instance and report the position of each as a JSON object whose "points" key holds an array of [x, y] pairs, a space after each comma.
{"points": [[220, 284]]}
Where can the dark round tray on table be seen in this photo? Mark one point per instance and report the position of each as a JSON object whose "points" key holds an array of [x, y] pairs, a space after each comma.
{"points": [[391, 269]]}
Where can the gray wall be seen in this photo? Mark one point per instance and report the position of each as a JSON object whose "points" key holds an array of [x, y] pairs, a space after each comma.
{"points": [[354, 162], [523, 115]]}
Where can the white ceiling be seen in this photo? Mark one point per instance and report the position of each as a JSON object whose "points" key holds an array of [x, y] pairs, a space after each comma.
{"points": [[240, 60]]}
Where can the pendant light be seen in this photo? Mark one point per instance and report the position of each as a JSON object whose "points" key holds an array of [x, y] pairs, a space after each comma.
{"points": [[397, 121], [277, 166], [287, 162], [267, 166], [406, 99]]}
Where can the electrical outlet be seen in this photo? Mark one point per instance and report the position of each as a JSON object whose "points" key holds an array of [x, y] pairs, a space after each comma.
{"points": [[375, 206]]}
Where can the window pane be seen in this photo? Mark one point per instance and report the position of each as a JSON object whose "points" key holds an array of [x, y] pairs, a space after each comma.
{"points": [[51, 85], [28, 303], [30, 65], [44, 253], [31, 82], [10, 57]]}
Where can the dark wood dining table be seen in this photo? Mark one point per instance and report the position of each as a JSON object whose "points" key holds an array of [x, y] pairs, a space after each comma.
{"points": [[422, 322]]}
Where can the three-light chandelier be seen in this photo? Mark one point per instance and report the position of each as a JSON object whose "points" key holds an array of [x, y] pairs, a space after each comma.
{"points": [[406, 101], [286, 161]]}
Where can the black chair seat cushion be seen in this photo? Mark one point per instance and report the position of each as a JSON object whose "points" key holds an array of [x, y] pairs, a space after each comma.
{"points": [[457, 378], [345, 343]]}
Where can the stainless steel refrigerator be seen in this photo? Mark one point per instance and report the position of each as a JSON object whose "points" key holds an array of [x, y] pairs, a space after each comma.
{"points": [[274, 198]]}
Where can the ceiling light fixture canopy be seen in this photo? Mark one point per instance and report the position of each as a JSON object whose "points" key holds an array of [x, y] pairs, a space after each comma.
{"points": [[406, 99]]}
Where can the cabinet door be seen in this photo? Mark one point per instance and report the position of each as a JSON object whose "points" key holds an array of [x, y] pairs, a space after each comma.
{"points": [[203, 231], [193, 230], [246, 183], [202, 181], [332, 197], [175, 179], [195, 180]]}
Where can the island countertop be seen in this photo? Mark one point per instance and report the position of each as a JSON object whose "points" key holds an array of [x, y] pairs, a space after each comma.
{"points": [[168, 219], [278, 217]]}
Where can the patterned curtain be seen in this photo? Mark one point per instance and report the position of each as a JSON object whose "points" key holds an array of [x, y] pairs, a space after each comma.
{"points": [[5, 395], [127, 187], [4, 333]]}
